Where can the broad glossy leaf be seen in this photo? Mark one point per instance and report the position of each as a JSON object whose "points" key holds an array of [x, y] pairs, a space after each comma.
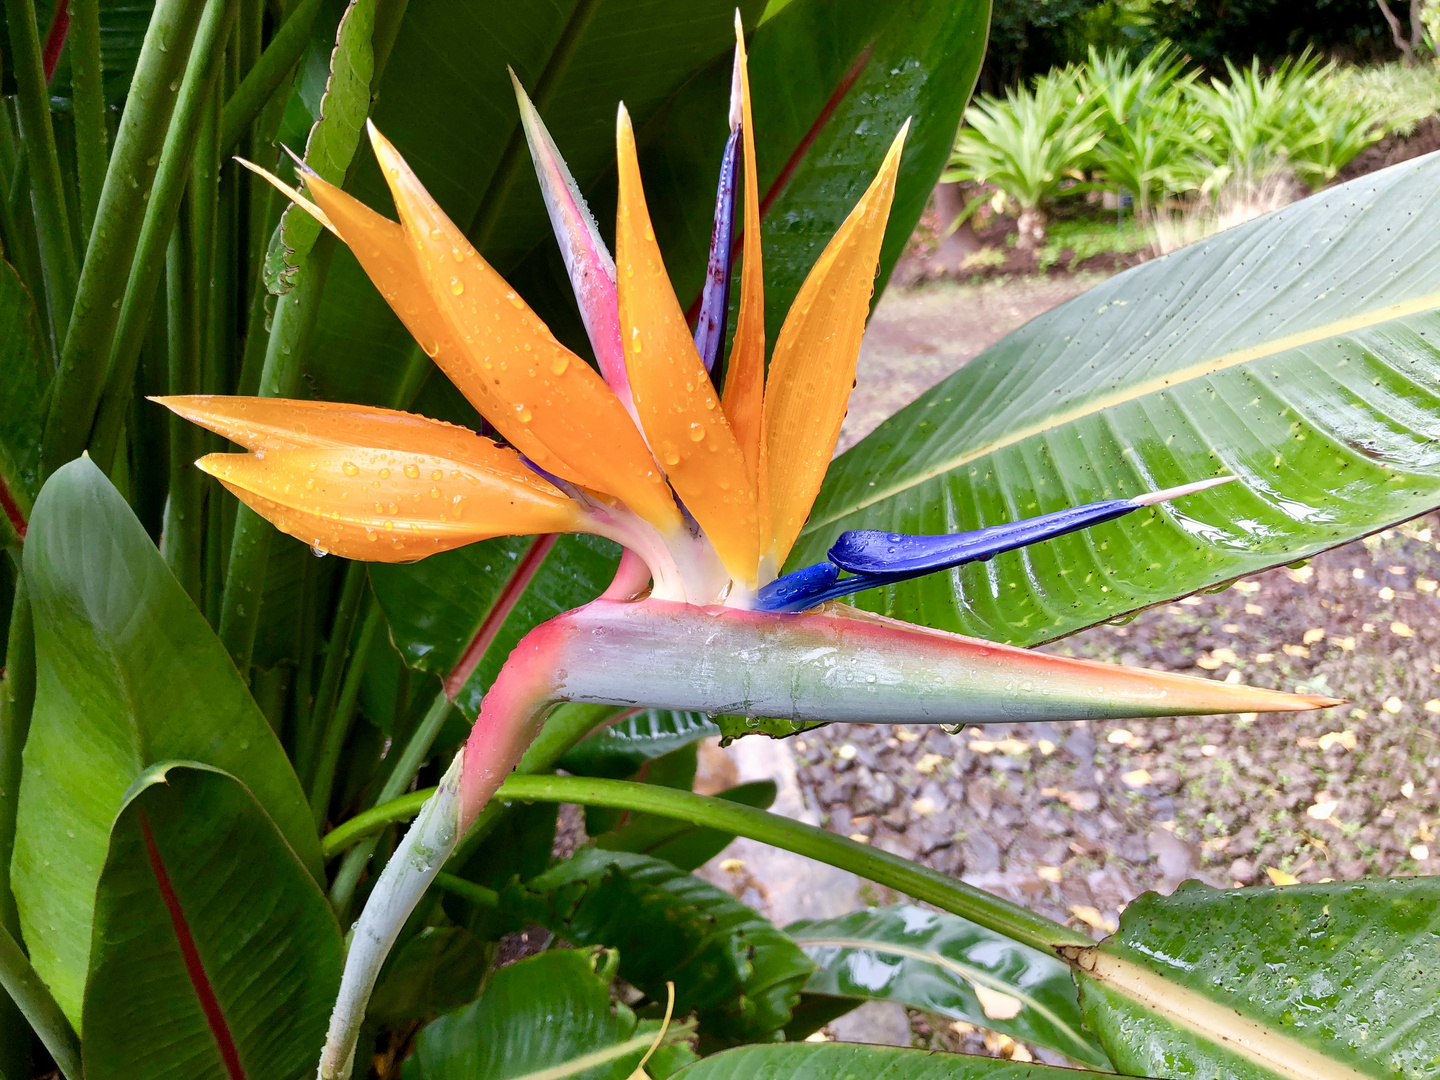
{"points": [[214, 947], [856, 1061], [945, 964], [731, 966], [128, 674], [22, 420], [1299, 352], [537, 1014], [681, 844], [1302, 981]]}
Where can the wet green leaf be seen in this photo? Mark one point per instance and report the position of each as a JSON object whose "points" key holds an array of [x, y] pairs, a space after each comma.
{"points": [[1305, 980], [128, 674], [852, 1061], [945, 964], [1299, 352], [211, 938]]}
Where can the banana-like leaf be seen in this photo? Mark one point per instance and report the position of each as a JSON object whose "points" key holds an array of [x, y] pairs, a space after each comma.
{"points": [[1314, 981], [1299, 352], [945, 964], [852, 1061], [215, 953], [619, 749], [128, 674], [545, 1013]]}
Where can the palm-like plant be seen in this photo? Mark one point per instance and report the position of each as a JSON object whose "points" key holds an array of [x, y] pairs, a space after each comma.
{"points": [[1028, 144], [1147, 145]]}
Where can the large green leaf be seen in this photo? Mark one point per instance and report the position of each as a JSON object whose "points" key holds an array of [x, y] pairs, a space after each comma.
{"points": [[22, 419], [1299, 352], [740, 974], [214, 947], [1336, 980], [128, 674], [438, 970], [945, 964], [619, 749], [538, 1014], [852, 1061]]}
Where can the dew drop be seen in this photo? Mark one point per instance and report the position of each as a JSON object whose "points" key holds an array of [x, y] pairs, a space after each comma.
{"points": [[389, 524], [435, 233], [697, 432], [412, 471], [438, 474], [320, 552], [458, 254], [351, 469], [524, 413], [434, 493], [559, 364], [431, 348], [670, 455], [456, 286]]}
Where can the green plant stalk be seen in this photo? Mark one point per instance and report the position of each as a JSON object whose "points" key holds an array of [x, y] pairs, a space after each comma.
{"points": [[17, 700], [47, 186], [417, 749], [33, 997], [352, 592], [201, 77], [262, 80], [338, 724], [85, 345], [881, 867], [182, 541], [89, 107], [290, 334]]}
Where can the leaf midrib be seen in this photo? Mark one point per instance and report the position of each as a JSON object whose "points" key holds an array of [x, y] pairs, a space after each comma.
{"points": [[1200, 369]]}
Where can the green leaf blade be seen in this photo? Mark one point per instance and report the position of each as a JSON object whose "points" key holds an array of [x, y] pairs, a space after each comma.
{"points": [[936, 962], [1289, 352], [128, 674], [215, 950], [854, 1061], [1337, 980]]}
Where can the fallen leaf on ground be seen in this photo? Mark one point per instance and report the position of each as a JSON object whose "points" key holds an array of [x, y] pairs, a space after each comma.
{"points": [[1344, 739], [1280, 877], [1136, 778]]}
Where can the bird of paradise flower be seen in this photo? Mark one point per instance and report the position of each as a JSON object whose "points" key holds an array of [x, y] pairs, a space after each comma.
{"points": [[706, 489]]}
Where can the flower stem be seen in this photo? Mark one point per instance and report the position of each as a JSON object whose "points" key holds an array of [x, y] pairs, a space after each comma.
{"points": [[89, 99], [85, 344], [47, 188], [309, 743], [268, 73], [30, 993], [881, 867], [423, 850], [338, 725]]}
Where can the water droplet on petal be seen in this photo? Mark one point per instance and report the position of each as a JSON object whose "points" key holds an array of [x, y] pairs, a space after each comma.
{"points": [[351, 469], [412, 471], [438, 474], [697, 432], [456, 286], [384, 474], [559, 364]]}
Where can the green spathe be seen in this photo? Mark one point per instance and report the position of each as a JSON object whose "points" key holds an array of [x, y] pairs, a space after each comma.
{"points": [[128, 674]]}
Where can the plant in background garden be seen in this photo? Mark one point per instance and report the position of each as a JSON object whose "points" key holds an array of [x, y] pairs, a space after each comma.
{"points": [[1031, 145], [210, 737], [1147, 144]]}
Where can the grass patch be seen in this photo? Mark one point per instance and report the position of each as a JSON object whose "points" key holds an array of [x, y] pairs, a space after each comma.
{"points": [[1085, 238]]}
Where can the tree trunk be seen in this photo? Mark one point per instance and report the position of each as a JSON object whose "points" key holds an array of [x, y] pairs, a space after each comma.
{"points": [[1406, 45], [1031, 224]]}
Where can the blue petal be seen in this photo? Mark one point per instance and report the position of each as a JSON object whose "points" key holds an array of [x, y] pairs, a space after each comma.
{"points": [[715, 299], [866, 551], [798, 591]]}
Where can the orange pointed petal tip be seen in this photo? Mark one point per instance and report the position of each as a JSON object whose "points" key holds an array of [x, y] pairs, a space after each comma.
{"points": [[294, 196], [375, 484], [550, 394], [385, 506], [813, 367], [674, 396]]}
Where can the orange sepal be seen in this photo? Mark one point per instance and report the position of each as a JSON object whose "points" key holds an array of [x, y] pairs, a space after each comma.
{"points": [[745, 373], [548, 391], [674, 396], [379, 245], [812, 370], [388, 505]]}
